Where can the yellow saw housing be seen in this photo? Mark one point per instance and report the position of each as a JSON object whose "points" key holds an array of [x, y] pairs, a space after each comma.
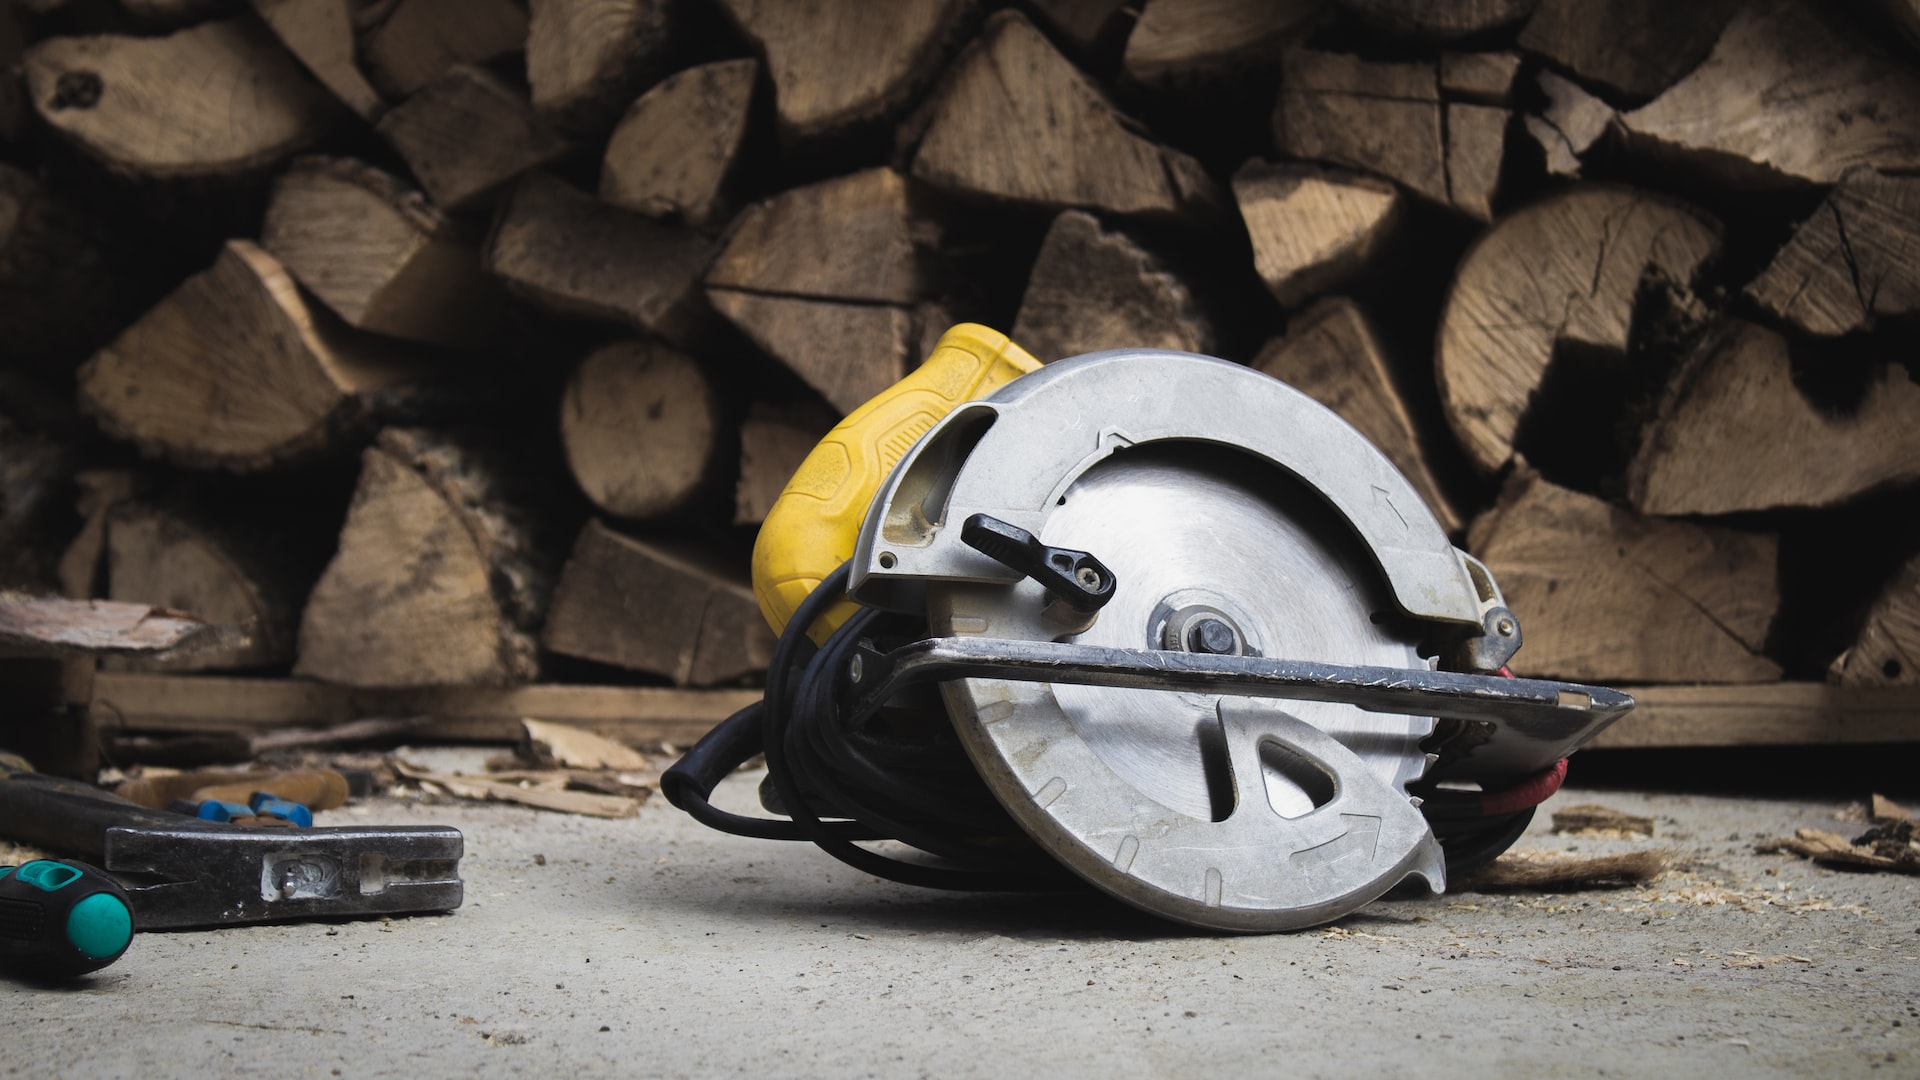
{"points": [[814, 524]]}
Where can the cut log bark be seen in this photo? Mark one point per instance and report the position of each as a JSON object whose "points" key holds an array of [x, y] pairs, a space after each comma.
{"points": [[587, 58], [436, 581], [1312, 228], [1476, 154], [641, 428], [1085, 25], [1851, 263], [1788, 95], [1564, 271], [1572, 122], [57, 287], [320, 34], [127, 102], [1635, 49], [1179, 44], [1604, 595], [1482, 78], [846, 352], [171, 560], [672, 154], [420, 39], [1331, 353], [466, 134], [1092, 288], [1016, 121], [379, 255], [572, 253], [774, 440], [1887, 652], [1734, 433], [849, 238], [1439, 20], [659, 608], [1382, 118], [237, 370], [839, 65]]}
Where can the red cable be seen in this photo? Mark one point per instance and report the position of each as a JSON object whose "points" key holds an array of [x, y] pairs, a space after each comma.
{"points": [[1532, 791]]}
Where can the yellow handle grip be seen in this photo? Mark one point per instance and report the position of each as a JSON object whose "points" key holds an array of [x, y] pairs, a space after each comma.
{"points": [[814, 524]]}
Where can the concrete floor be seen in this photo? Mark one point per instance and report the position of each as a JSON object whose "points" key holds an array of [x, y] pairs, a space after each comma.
{"points": [[654, 947]]}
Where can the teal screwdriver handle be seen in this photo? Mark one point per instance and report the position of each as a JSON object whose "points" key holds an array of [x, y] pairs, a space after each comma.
{"points": [[59, 919]]}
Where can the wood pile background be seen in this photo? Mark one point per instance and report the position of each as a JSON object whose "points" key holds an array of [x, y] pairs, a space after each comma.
{"points": [[463, 343]]}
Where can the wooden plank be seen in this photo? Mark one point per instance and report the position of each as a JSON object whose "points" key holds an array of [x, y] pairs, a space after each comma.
{"points": [[140, 701], [1769, 714]]}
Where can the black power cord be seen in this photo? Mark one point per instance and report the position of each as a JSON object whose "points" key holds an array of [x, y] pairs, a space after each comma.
{"points": [[840, 786]]}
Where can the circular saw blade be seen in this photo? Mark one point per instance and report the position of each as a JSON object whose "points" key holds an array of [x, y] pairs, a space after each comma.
{"points": [[1188, 528]]}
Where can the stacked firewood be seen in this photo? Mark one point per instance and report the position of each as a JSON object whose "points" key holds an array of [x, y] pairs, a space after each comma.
{"points": [[465, 342]]}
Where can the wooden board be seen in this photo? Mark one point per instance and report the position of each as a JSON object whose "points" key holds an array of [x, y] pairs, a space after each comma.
{"points": [[1775, 714], [140, 701]]}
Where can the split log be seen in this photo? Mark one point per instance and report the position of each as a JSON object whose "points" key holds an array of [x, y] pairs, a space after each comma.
{"points": [[1851, 263], [1092, 288], [1570, 125], [380, 255], [1086, 25], [849, 238], [641, 428], [1632, 48], [1382, 118], [58, 291], [436, 581], [237, 370], [1481, 78], [1312, 228], [319, 33], [673, 153], [225, 576], [661, 608], [84, 560], [1439, 20], [1476, 154], [587, 58], [1604, 595], [1181, 44], [568, 251], [1565, 271], [774, 440], [420, 39], [1788, 95], [1887, 653], [1331, 353], [129, 103], [841, 65], [1016, 121], [846, 352], [1734, 433], [466, 134]]}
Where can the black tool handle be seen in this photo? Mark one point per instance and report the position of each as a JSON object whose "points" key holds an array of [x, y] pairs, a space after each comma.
{"points": [[65, 815]]}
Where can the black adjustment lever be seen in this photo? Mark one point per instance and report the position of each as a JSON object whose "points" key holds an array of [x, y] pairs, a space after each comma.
{"points": [[1076, 578]]}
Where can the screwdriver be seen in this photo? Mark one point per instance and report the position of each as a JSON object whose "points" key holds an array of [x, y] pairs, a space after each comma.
{"points": [[59, 919]]}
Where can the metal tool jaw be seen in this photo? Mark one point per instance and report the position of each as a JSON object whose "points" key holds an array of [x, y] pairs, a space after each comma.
{"points": [[1227, 739]]}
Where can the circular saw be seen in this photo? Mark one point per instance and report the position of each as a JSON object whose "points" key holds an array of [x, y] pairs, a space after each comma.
{"points": [[1140, 619]]}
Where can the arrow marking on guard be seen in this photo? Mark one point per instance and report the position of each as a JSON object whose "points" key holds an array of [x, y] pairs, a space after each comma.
{"points": [[1362, 838]]}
